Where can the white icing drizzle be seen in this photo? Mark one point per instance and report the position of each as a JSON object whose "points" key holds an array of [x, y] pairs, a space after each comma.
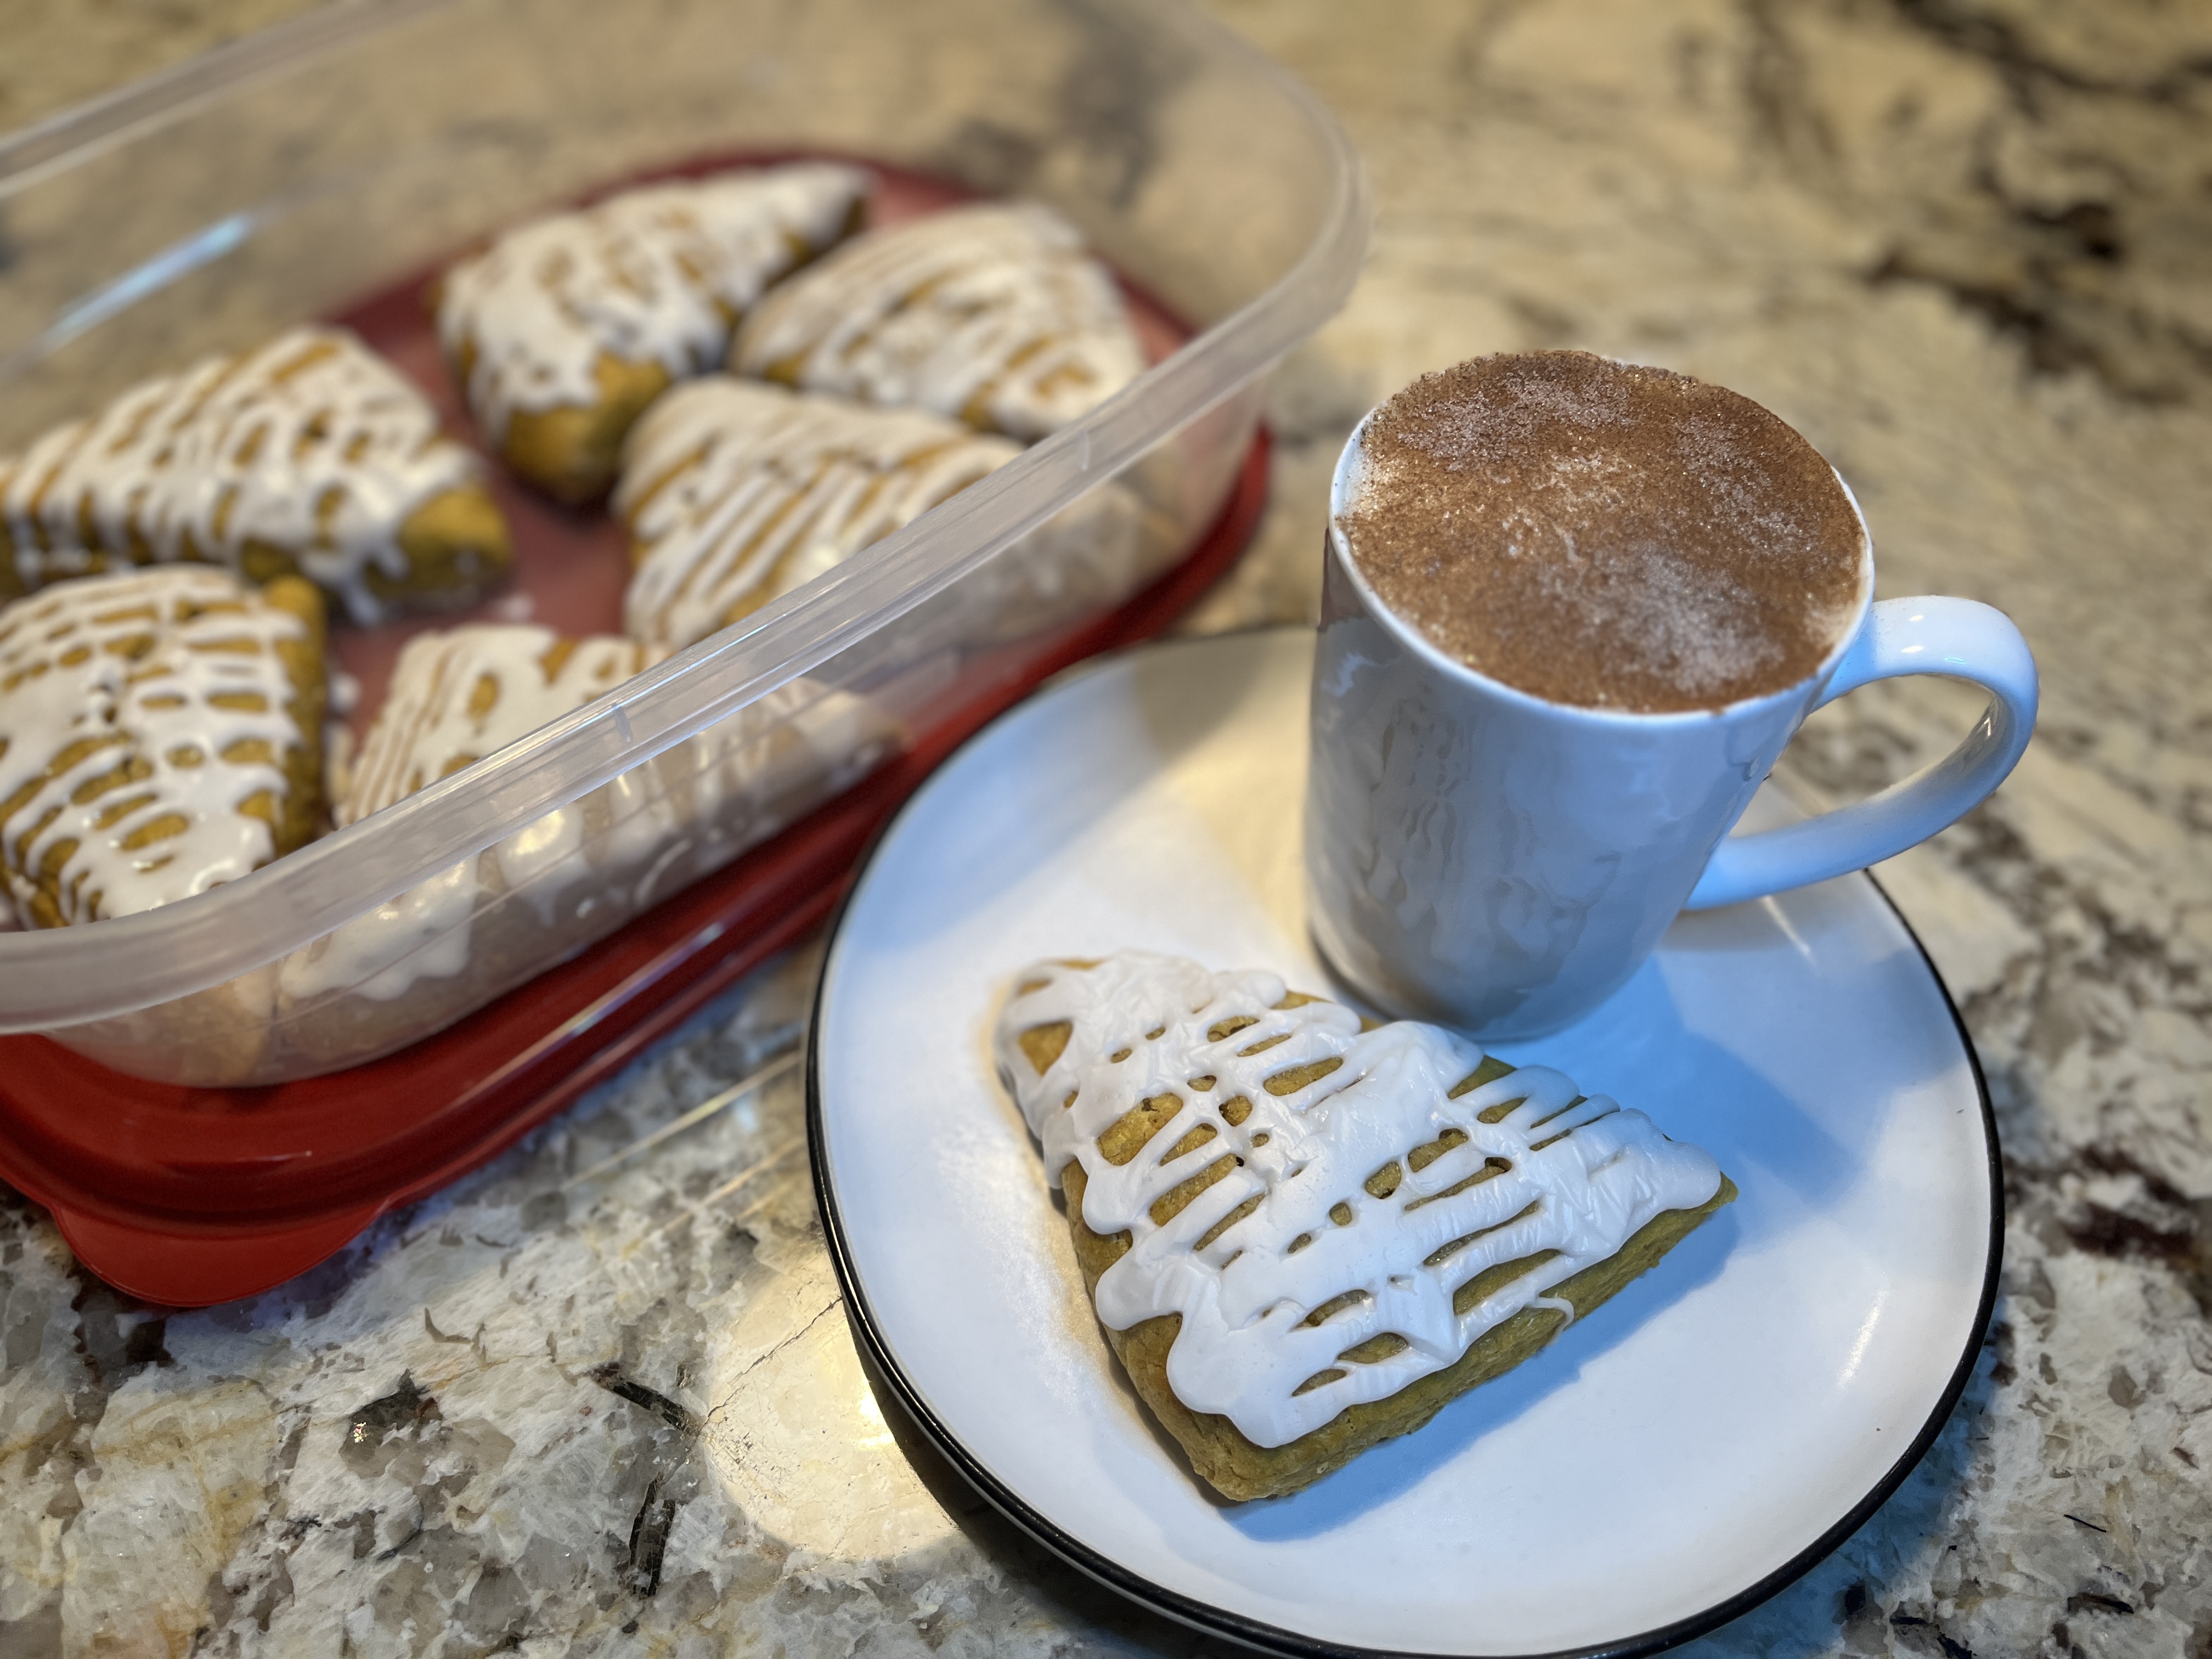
{"points": [[127, 669], [654, 275], [458, 694], [607, 855], [1584, 1176], [738, 491], [993, 314], [312, 445]]}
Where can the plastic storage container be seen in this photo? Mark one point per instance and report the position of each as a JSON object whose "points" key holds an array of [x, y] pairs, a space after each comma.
{"points": [[286, 176]]}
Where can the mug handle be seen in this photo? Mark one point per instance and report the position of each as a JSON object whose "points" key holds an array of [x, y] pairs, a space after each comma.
{"points": [[1959, 638]]}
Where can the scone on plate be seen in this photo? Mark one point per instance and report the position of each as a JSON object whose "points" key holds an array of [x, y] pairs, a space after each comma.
{"points": [[1302, 1236], [161, 733], [445, 947], [994, 315], [309, 456], [565, 328], [738, 491]]}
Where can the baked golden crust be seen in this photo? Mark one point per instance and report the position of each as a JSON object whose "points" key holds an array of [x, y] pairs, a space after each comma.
{"points": [[573, 452], [565, 328], [457, 549], [307, 456], [301, 816], [149, 721], [1240, 1471], [991, 314], [736, 492], [12, 585]]}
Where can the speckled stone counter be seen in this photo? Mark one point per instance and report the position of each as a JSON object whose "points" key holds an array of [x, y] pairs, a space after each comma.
{"points": [[601, 1398]]}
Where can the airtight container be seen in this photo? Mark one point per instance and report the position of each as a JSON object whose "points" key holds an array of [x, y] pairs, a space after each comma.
{"points": [[295, 171]]}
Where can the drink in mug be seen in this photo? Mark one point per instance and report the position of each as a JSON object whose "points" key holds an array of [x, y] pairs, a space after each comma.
{"points": [[1573, 611]]}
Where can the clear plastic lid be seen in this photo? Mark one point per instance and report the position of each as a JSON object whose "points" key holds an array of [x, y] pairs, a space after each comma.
{"points": [[274, 179]]}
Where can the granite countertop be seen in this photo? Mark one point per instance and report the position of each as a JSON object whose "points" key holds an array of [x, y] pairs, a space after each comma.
{"points": [[569, 1407]]}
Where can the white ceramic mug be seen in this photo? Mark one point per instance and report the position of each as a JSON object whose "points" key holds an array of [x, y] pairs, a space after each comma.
{"points": [[1493, 861]]}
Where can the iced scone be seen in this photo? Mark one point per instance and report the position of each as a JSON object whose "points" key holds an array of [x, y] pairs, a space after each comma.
{"points": [[462, 693], [310, 456], [736, 492], [1303, 1237], [993, 315], [160, 733], [565, 328], [445, 947]]}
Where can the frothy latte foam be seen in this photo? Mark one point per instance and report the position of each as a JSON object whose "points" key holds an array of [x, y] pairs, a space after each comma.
{"points": [[1604, 535]]}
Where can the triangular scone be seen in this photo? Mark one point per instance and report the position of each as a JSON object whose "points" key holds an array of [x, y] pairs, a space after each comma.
{"points": [[161, 733], [993, 314], [309, 456], [458, 694], [447, 946], [737, 491], [1302, 1237], [462, 694], [566, 327]]}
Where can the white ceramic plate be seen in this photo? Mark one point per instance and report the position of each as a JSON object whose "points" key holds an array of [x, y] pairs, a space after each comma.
{"points": [[1686, 1450]]}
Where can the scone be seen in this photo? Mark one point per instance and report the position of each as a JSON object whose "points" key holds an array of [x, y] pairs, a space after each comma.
{"points": [[1302, 1237], [459, 694], [737, 491], [310, 456], [566, 328], [161, 733], [446, 947], [994, 315]]}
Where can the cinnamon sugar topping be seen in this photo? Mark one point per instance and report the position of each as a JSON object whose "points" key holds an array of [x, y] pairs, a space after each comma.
{"points": [[1604, 535]]}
